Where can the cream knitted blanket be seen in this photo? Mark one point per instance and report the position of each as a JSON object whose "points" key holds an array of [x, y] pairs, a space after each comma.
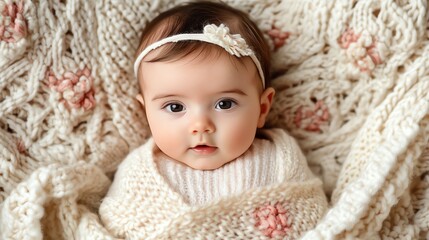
{"points": [[352, 87]]}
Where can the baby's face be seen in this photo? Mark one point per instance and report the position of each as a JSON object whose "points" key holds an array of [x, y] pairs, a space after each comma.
{"points": [[202, 112]]}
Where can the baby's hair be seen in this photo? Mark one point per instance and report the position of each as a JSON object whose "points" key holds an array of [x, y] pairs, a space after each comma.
{"points": [[191, 18]]}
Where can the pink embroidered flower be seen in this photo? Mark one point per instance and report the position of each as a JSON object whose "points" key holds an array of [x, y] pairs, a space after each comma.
{"points": [[272, 220], [279, 38], [311, 119], [347, 38], [361, 49], [13, 26], [76, 88]]}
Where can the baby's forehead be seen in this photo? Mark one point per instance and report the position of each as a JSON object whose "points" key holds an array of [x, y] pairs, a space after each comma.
{"points": [[229, 71]]}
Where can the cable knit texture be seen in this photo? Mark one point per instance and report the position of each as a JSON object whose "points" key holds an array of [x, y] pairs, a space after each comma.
{"points": [[352, 86], [142, 204]]}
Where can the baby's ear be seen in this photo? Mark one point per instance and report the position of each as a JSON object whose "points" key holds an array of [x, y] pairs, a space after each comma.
{"points": [[139, 98], [266, 102]]}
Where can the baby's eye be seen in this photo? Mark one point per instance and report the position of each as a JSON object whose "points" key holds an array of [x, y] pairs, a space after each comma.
{"points": [[225, 104], [174, 107]]}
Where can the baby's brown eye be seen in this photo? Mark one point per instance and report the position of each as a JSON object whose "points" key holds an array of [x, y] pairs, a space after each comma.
{"points": [[174, 107], [225, 104]]}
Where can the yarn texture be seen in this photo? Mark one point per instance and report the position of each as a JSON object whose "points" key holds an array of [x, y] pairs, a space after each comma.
{"points": [[352, 86]]}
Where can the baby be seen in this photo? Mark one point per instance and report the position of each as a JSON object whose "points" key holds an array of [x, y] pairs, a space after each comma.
{"points": [[203, 70]]}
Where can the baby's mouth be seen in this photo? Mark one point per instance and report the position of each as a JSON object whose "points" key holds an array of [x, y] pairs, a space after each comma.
{"points": [[204, 149]]}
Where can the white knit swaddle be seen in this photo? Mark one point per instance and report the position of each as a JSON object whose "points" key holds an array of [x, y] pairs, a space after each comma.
{"points": [[145, 202]]}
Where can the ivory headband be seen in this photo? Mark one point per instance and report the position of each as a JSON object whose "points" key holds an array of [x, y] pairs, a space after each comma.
{"points": [[234, 44]]}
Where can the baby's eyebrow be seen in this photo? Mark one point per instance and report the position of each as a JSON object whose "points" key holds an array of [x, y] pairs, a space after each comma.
{"points": [[236, 91], [161, 96]]}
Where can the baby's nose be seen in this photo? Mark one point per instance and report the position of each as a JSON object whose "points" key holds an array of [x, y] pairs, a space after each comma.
{"points": [[202, 124]]}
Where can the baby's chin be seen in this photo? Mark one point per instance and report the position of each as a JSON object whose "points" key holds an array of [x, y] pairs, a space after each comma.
{"points": [[207, 165]]}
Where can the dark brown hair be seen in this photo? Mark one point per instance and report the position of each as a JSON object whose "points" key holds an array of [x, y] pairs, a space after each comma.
{"points": [[191, 18]]}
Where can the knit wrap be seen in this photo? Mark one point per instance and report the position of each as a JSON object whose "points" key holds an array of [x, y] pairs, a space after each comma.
{"points": [[142, 205]]}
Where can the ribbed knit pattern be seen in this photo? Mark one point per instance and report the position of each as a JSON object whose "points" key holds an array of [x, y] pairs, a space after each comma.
{"points": [[352, 86], [252, 170]]}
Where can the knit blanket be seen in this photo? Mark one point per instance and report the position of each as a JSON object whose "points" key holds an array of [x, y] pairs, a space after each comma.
{"points": [[352, 82]]}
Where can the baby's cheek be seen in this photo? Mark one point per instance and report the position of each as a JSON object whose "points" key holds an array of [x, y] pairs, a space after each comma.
{"points": [[164, 137], [242, 136]]}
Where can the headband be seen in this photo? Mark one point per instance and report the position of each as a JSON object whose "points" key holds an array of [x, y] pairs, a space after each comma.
{"points": [[234, 44]]}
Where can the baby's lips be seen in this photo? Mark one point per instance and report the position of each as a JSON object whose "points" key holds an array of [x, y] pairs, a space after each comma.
{"points": [[204, 149]]}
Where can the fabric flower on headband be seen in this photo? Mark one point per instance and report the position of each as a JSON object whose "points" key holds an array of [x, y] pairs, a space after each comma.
{"points": [[232, 43]]}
